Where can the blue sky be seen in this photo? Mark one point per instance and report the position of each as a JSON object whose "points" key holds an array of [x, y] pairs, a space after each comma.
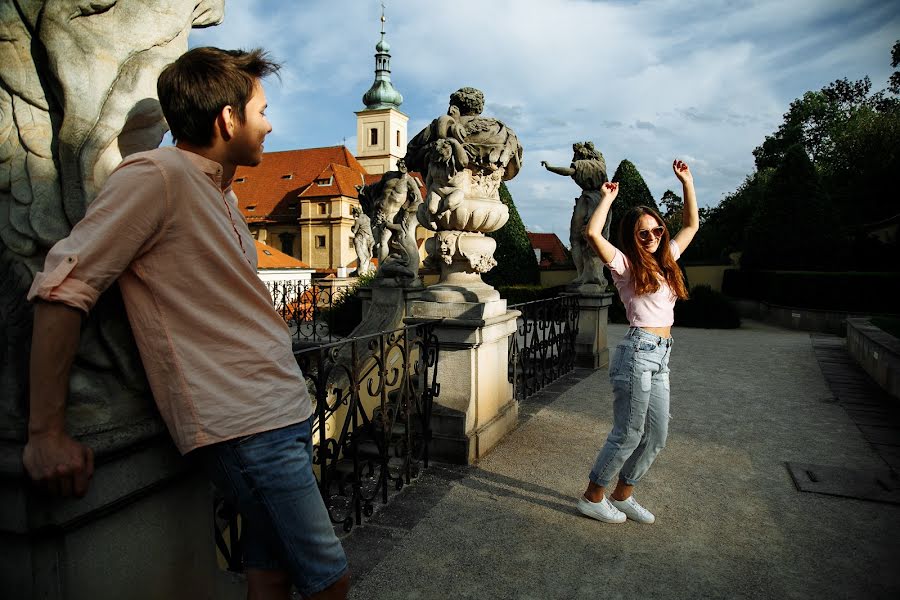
{"points": [[701, 80]]}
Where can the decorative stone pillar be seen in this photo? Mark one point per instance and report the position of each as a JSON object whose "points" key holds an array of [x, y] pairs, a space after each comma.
{"points": [[464, 158], [591, 344], [144, 530]]}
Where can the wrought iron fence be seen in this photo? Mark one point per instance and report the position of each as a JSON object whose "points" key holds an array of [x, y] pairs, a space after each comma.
{"points": [[543, 348], [372, 423], [313, 312]]}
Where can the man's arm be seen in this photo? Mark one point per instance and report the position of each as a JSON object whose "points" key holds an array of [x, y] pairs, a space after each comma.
{"points": [[52, 458]]}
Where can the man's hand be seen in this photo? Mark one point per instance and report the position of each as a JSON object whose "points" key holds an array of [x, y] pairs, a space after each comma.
{"points": [[58, 463], [609, 190], [682, 172], [543, 163]]}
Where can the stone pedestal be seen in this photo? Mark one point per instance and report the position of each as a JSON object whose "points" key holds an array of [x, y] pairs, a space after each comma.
{"points": [[475, 408], [143, 531], [591, 345]]}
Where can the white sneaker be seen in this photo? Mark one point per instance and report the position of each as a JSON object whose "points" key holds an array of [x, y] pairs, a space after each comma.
{"points": [[602, 511], [633, 510]]}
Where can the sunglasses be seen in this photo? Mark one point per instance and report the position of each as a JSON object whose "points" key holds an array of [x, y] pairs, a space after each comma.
{"points": [[656, 232]]}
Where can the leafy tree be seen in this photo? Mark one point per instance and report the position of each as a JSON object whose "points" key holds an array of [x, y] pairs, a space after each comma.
{"points": [[673, 214], [633, 191], [792, 227], [516, 263]]}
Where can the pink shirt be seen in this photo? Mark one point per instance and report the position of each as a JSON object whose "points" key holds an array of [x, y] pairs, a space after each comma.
{"points": [[647, 310], [217, 355]]}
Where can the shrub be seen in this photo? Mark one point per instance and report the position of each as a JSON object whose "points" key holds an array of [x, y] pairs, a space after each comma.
{"points": [[517, 294], [706, 308], [346, 307], [516, 263], [848, 291]]}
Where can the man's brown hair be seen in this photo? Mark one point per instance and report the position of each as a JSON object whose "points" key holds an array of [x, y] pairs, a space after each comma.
{"points": [[194, 89]]}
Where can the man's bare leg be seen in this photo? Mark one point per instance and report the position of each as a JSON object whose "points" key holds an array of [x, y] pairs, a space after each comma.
{"points": [[268, 585], [594, 492], [623, 491]]}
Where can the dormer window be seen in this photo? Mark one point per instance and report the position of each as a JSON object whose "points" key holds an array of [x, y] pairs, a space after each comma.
{"points": [[288, 176], [251, 208], [240, 180], [267, 253], [325, 181]]}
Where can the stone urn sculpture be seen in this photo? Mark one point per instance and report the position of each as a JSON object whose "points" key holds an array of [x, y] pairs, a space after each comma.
{"points": [[464, 158]]}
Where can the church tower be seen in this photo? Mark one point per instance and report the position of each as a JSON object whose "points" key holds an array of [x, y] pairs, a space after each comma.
{"points": [[381, 127]]}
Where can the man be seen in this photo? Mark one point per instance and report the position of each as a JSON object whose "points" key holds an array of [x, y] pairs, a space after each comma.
{"points": [[166, 225]]}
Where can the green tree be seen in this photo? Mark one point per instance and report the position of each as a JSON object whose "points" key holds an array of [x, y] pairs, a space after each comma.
{"points": [[792, 227], [633, 191], [516, 263], [673, 207]]}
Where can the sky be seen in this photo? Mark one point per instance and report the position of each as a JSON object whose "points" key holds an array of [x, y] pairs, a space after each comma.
{"points": [[648, 81]]}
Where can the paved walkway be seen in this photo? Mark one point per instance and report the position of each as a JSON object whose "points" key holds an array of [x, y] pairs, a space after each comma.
{"points": [[731, 523]]}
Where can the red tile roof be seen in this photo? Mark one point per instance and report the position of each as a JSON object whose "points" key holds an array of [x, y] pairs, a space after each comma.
{"points": [[553, 252], [281, 177], [270, 258]]}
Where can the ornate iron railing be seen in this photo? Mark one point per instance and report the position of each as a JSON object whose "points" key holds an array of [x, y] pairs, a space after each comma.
{"points": [[311, 310], [543, 348], [372, 424]]}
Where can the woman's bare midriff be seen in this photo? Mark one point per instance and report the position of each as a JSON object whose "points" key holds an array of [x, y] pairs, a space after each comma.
{"points": [[660, 331]]}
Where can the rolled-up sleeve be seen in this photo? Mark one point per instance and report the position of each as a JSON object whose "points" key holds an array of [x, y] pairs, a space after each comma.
{"points": [[122, 223]]}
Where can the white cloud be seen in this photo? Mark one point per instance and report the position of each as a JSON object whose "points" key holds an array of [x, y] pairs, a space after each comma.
{"points": [[647, 81]]}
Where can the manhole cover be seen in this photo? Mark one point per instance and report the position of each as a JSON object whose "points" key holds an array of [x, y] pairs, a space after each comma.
{"points": [[878, 486]]}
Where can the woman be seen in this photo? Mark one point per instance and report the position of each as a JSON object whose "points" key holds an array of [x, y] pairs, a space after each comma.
{"points": [[649, 282]]}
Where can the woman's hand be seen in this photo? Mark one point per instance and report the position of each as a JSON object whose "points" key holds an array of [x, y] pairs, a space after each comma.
{"points": [[682, 172], [610, 190]]}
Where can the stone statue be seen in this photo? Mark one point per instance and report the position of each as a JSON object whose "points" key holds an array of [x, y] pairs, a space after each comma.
{"points": [[363, 241], [388, 202], [77, 93], [588, 169], [464, 158]]}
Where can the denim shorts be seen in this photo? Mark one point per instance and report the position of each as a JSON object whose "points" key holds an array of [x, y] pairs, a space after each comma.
{"points": [[284, 523]]}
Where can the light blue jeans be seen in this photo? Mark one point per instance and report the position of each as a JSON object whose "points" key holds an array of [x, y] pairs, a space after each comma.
{"points": [[639, 373]]}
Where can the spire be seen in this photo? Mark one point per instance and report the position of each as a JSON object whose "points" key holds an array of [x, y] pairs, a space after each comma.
{"points": [[382, 94]]}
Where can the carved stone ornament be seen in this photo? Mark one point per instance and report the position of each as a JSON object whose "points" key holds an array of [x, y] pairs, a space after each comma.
{"points": [[464, 158], [77, 93]]}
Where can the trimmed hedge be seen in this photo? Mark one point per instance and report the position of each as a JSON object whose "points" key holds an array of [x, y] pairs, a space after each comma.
{"points": [[847, 291], [517, 294], [706, 308]]}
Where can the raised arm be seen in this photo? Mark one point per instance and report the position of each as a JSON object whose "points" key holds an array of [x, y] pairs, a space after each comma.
{"points": [[52, 457], [567, 171], [594, 229], [690, 213]]}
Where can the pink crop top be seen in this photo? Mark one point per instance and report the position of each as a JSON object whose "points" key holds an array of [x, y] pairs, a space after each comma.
{"points": [[648, 310]]}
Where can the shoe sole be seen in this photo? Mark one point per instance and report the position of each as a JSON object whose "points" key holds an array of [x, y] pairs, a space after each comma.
{"points": [[596, 517]]}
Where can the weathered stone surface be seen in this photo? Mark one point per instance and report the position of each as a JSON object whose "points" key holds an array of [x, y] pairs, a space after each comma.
{"points": [[588, 170], [77, 93], [464, 158]]}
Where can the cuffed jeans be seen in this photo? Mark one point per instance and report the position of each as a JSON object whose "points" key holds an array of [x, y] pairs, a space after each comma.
{"points": [[639, 373]]}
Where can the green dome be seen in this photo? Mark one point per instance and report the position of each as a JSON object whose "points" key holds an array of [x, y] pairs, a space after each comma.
{"points": [[382, 94], [382, 46]]}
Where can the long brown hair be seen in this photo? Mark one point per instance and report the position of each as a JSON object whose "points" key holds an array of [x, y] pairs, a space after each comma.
{"points": [[647, 269]]}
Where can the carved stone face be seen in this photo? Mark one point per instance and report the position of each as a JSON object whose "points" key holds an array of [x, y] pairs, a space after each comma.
{"points": [[401, 166]]}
